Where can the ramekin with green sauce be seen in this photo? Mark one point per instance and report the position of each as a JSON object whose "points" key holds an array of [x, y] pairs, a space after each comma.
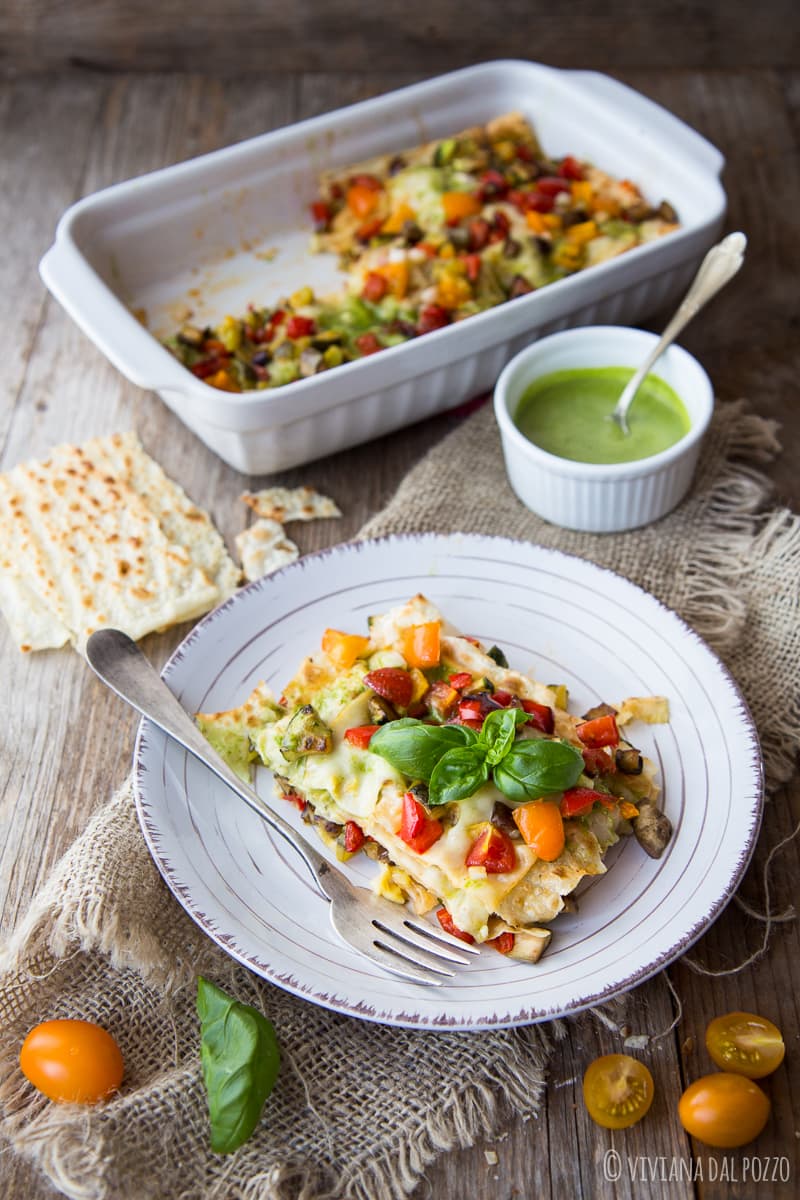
{"points": [[568, 461]]}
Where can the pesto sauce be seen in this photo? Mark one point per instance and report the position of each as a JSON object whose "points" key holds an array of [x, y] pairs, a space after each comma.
{"points": [[568, 413]]}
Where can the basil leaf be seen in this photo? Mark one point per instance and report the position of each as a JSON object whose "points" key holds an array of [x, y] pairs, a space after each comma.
{"points": [[537, 767], [458, 774], [240, 1057], [499, 731], [415, 748]]}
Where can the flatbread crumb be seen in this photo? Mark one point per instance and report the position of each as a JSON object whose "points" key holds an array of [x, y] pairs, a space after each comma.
{"points": [[263, 547], [291, 504]]}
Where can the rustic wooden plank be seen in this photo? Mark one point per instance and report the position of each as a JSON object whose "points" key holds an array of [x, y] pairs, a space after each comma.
{"points": [[344, 35]]}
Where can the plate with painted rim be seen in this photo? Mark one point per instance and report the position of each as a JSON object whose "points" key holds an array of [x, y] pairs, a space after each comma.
{"points": [[557, 617]]}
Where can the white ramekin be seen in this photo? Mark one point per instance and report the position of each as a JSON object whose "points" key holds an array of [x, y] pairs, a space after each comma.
{"points": [[601, 498]]}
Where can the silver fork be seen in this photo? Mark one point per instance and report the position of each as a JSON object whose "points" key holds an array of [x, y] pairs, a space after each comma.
{"points": [[383, 931]]}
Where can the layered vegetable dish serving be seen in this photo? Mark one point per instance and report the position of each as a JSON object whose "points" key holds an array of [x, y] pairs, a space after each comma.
{"points": [[478, 794], [429, 237]]}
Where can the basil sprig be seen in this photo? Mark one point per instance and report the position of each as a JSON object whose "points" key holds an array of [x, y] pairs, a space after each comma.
{"points": [[240, 1058], [455, 761]]}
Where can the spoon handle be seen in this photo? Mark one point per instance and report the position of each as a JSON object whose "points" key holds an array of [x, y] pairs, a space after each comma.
{"points": [[719, 266]]}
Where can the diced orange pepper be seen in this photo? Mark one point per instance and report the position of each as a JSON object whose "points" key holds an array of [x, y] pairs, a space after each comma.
{"points": [[343, 648], [552, 222], [222, 380], [582, 232], [582, 192], [535, 221], [421, 644], [628, 810], [362, 200], [542, 828], [453, 291], [396, 275], [397, 219], [458, 205]]}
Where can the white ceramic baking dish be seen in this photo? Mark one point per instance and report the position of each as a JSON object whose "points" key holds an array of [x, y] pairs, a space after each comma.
{"points": [[215, 233]]}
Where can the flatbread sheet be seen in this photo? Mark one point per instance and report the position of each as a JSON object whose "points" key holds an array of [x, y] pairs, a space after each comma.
{"points": [[98, 535]]}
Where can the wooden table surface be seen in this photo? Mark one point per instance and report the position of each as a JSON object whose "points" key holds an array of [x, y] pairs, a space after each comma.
{"points": [[65, 743]]}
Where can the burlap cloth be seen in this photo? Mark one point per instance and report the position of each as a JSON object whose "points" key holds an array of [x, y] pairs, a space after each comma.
{"points": [[359, 1110]]}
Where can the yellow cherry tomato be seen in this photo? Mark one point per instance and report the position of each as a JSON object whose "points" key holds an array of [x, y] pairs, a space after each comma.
{"points": [[72, 1060], [723, 1110], [745, 1044], [617, 1090]]}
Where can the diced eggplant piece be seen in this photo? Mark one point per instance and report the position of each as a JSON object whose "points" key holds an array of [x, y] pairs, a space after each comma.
{"points": [[325, 338], [411, 233], [629, 761], [496, 654], [599, 710], [380, 710], [310, 361], [420, 792], [459, 236], [396, 164], [441, 699], [653, 829], [306, 733], [504, 821], [511, 248], [667, 212], [190, 335], [519, 287]]}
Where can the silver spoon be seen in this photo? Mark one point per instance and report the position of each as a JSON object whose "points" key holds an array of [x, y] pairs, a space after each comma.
{"points": [[717, 268]]}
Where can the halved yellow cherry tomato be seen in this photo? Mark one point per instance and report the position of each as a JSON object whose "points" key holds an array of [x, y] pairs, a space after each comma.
{"points": [[745, 1044], [617, 1090], [343, 648], [542, 828], [72, 1060], [723, 1110]]}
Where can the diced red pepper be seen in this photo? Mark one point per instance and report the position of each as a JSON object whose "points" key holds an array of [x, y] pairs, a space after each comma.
{"points": [[460, 680], [539, 201], [360, 735], [470, 710], [493, 850], [321, 215], [214, 346], [371, 182], [478, 231], [504, 942], [431, 317], [551, 185], [472, 262], [353, 837], [375, 287], [210, 367], [599, 761], [369, 229], [517, 198], [277, 319], [368, 343], [502, 698], [541, 716], [525, 153], [571, 168], [393, 683], [600, 731], [300, 802], [501, 223], [447, 924], [418, 829], [297, 326], [493, 186], [578, 801]]}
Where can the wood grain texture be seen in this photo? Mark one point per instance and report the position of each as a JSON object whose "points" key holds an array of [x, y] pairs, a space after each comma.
{"points": [[344, 35], [65, 743]]}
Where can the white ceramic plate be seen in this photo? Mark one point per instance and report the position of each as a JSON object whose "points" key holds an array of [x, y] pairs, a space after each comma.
{"points": [[565, 621]]}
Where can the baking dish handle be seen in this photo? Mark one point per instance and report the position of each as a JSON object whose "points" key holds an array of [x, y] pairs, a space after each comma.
{"points": [[626, 102], [110, 325]]}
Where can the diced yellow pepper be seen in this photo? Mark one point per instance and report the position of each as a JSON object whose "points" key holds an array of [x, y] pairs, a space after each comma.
{"points": [[453, 291], [230, 334], [396, 275], [628, 810], [582, 233], [304, 295], [222, 380], [333, 356], [397, 219], [447, 250]]}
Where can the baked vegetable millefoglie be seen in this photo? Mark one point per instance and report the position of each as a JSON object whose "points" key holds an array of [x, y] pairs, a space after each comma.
{"points": [[473, 787], [429, 237]]}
